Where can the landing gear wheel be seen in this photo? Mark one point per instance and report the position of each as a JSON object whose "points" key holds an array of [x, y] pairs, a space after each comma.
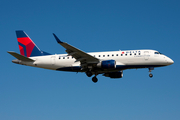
{"points": [[150, 75], [94, 79], [89, 73]]}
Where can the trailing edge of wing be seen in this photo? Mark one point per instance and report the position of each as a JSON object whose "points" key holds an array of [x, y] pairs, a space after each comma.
{"points": [[20, 57], [78, 54]]}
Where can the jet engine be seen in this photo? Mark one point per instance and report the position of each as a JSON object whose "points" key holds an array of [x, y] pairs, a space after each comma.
{"points": [[107, 64], [114, 74]]}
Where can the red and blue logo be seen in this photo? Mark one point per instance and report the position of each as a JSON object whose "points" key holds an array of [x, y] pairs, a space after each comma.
{"points": [[26, 46]]}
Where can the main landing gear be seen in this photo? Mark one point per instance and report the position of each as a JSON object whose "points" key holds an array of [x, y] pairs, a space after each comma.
{"points": [[150, 74], [89, 74], [94, 79]]}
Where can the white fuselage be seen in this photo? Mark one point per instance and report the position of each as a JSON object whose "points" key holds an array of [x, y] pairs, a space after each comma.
{"points": [[109, 64], [128, 59]]}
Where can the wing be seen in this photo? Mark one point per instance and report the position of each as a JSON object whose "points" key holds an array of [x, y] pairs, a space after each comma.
{"points": [[79, 55]]}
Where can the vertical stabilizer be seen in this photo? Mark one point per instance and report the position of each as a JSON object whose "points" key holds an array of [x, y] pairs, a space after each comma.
{"points": [[26, 46]]}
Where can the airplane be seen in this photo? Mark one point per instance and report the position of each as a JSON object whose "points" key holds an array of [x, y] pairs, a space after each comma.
{"points": [[109, 64]]}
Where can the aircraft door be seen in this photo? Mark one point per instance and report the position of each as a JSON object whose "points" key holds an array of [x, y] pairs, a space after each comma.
{"points": [[53, 59], [146, 55]]}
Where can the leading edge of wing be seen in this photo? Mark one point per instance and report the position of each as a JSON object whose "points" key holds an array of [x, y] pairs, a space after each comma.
{"points": [[78, 54]]}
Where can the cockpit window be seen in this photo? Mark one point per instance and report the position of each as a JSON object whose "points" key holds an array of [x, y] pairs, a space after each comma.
{"points": [[157, 53]]}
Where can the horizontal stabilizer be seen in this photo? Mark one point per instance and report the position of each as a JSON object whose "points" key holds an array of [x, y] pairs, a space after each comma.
{"points": [[20, 57]]}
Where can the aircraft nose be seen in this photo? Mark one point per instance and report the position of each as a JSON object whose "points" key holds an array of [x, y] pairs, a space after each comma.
{"points": [[170, 61]]}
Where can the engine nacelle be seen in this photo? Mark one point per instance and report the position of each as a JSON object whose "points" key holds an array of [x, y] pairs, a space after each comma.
{"points": [[114, 74], [107, 64]]}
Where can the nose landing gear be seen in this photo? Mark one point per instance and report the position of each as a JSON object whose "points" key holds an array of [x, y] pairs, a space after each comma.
{"points": [[150, 74]]}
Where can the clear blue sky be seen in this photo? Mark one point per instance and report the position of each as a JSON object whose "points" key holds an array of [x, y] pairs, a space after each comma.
{"points": [[28, 93]]}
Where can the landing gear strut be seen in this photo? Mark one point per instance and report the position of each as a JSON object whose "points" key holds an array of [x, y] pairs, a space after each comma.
{"points": [[150, 74]]}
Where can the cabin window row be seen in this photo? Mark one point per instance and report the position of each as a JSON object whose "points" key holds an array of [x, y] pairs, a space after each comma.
{"points": [[118, 55], [65, 57], [103, 55]]}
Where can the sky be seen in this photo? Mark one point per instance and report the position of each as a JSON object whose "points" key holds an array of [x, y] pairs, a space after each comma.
{"points": [[28, 93]]}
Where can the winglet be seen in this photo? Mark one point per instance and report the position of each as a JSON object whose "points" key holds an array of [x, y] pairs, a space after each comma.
{"points": [[57, 39]]}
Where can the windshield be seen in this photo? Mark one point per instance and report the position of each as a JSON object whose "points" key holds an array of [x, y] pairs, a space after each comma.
{"points": [[157, 53]]}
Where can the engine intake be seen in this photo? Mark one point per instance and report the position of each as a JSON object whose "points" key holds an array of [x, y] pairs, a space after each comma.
{"points": [[107, 64]]}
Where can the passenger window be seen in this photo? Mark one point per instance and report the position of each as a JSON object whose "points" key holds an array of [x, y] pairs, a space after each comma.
{"points": [[126, 54], [112, 54], [99, 55], [134, 53], [130, 54], [63, 57], [121, 54], [103, 55], [139, 53], [116, 54], [67, 57], [108, 55]]}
